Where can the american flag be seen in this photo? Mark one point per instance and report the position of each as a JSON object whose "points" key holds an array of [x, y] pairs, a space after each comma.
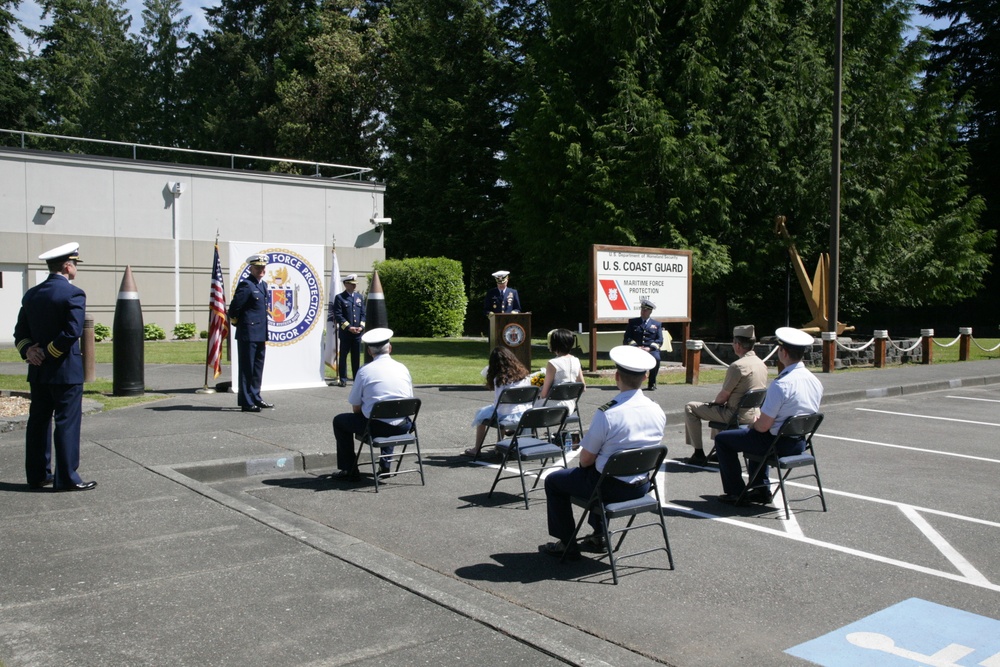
{"points": [[218, 323]]}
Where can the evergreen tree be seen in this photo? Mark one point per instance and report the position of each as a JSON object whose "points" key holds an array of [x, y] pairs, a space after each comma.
{"points": [[329, 112], [449, 82], [16, 97], [250, 47], [967, 51], [693, 124], [86, 70], [163, 39]]}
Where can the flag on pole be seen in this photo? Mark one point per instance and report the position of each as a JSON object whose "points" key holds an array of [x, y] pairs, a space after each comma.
{"points": [[331, 347], [218, 323]]}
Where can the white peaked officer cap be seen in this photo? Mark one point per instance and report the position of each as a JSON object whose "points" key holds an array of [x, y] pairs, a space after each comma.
{"points": [[792, 336], [376, 337], [66, 251], [257, 260], [500, 275], [646, 303], [351, 278], [632, 359]]}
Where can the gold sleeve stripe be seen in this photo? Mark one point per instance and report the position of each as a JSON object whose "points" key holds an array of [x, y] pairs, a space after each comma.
{"points": [[21, 344], [53, 351]]}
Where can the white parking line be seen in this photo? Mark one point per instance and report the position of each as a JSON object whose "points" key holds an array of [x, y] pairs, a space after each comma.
{"points": [[912, 449], [980, 583], [942, 545], [910, 414], [973, 398]]}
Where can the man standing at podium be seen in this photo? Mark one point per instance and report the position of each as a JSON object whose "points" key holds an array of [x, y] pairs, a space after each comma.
{"points": [[502, 299]]}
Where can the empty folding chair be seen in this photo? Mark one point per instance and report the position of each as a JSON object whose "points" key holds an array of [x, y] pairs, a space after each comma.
{"points": [[395, 408], [627, 463], [525, 447], [798, 426]]}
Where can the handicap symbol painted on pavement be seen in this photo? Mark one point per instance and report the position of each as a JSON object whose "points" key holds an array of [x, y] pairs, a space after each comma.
{"points": [[911, 633]]}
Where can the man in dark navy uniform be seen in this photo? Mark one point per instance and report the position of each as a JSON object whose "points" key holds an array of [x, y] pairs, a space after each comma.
{"points": [[47, 336], [501, 299], [647, 334], [248, 313], [349, 315]]}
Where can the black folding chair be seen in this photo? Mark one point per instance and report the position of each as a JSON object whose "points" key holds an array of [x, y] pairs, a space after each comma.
{"points": [[395, 408], [626, 463], [803, 426], [510, 396], [525, 447], [568, 391], [752, 400]]}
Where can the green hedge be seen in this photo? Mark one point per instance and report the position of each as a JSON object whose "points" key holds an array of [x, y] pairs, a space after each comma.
{"points": [[424, 296]]}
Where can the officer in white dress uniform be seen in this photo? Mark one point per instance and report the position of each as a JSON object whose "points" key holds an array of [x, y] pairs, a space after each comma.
{"points": [[630, 420]]}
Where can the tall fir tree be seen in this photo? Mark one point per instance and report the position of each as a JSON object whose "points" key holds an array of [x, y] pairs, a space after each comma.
{"points": [[329, 112], [86, 69], [236, 68], [16, 94], [967, 50], [165, 53], [693, 124], [449, 82]]}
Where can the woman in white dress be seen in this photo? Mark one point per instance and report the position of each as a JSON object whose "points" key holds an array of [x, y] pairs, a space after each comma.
{"points": [[563, 368], [504, 371]]}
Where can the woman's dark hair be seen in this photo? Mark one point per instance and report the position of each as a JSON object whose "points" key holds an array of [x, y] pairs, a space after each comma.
{"points": [[504, 368], [561, 341]]}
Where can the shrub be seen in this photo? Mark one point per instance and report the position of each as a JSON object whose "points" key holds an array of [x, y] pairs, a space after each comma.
{"points": [[185, 330], [203, 334], [153, 332], [101, 332], [424, 296]]}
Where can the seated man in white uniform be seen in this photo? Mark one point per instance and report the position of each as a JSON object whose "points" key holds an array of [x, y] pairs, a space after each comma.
{"points": [[630, 420], [381, 379]]}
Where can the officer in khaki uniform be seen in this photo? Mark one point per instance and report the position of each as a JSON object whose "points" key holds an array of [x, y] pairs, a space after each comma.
{"points": [[746, 373]]}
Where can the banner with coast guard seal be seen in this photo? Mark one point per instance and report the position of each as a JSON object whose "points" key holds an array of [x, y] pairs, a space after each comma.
{"points": [[296, 312], [624, 275]]}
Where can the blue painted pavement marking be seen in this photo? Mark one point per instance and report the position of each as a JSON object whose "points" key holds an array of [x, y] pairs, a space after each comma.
{"points": [[913, 632]]}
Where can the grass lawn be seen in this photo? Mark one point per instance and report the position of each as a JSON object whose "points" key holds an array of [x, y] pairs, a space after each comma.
{"points": [[430, 360]]}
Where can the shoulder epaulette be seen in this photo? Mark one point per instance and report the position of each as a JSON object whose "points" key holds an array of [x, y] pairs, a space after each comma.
{"points": [[607, 405]]}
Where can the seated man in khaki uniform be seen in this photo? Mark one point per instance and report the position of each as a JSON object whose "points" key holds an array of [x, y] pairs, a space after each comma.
{"points": [[746, 373]]}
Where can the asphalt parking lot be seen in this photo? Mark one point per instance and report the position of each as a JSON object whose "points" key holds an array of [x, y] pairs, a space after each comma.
{"points": [[203, 545]]}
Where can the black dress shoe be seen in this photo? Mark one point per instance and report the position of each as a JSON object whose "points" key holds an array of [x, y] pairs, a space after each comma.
{"points": [[594, 543], [342, 383], [651, 387], [265, 404], [557, 549], [697, 459], [82, 486], [41, 485], [346, 476], [251, 408]]}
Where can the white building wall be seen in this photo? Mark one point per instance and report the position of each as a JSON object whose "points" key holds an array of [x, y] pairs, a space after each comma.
{"points": [[121, 213]]}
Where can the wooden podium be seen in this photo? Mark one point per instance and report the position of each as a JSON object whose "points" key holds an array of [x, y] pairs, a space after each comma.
{"points": [[513, 331]]}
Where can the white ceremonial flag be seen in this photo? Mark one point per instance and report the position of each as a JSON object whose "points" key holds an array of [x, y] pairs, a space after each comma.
{"points": [[331, 346]]}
